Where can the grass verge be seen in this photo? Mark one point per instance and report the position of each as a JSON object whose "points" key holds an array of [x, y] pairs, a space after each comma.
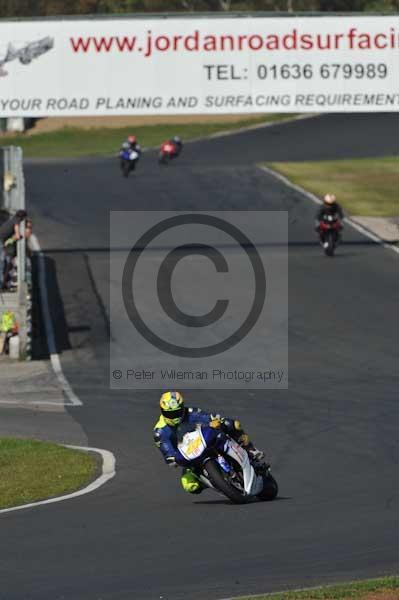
{"points": [[387, 587], [365, 186], [74, 142], [31, 470]]}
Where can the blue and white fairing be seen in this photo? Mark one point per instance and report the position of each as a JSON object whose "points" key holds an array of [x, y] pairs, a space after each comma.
{"points": [[129, 154], [253, 484], [194, 446], [194, 443], [124, 154]]}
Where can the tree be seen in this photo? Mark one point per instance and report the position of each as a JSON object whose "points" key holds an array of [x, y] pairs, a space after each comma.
{"points": [[212, 5], [381, 5], [342, 5], [10, 8], [34, 8], [219, 4]]}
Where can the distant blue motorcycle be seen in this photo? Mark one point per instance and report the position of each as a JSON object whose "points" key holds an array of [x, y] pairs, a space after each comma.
{"points": [[128, 160], [220, 463]]}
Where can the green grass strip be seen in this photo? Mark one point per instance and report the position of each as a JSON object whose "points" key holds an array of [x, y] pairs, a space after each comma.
{"points": [[353, 590], [31, 470], [74, 142], [366, 186]]}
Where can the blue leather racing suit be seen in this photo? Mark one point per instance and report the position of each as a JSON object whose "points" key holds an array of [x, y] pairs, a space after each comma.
{"points": [[166, 439]]}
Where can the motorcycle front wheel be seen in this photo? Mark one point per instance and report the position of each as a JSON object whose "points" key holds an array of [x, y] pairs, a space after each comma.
{"points": [[163, 158], [125, 168], [220, 480], [330, 238], [270, 488]]}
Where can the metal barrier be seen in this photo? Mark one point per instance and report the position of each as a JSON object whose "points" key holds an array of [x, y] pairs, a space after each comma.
{"points": [[13, 199]]}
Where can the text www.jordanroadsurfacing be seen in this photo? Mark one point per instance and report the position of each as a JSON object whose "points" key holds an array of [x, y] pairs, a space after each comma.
{"points": [[151, 43]]}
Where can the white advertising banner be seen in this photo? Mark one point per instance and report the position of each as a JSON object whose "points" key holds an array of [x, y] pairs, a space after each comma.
{"points": [[199, 65]]}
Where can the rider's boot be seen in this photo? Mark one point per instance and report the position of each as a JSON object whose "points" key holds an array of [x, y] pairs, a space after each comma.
{"points": [[254, 453], [190, 482]]}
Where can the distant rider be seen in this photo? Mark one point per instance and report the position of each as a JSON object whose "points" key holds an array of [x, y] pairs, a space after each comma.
{"points": [[173, 146], [178, 144], [174, 413], [330, 207], [131, 145]]}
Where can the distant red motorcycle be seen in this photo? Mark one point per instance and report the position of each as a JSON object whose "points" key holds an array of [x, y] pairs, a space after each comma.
{"points": [[169, 150], [329, 233]]}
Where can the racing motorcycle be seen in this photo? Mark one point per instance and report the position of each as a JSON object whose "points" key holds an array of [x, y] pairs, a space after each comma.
{"points": [[222, 464], [168, 151], [329, 229], [128, 159]]}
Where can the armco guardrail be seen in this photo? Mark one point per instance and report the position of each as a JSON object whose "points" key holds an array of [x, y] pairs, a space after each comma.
{"points": [[18, 297]]}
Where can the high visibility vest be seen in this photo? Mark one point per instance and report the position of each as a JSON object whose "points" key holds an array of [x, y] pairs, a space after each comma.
{"points": [[8, 321]]}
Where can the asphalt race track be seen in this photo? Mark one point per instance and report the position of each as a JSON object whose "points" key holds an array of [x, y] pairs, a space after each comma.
{"points": [[332, 437]]}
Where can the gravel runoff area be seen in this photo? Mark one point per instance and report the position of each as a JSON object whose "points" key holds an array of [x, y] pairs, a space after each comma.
{"points": [[387, 228], [28, 383]]}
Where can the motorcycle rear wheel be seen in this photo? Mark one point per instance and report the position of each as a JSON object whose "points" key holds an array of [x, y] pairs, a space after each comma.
{"points": [[220, 480]]}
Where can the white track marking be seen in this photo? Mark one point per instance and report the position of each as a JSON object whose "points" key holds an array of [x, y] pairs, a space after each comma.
{"points": [[108, 472], [24, 402], [317, 200], [48, 325]]}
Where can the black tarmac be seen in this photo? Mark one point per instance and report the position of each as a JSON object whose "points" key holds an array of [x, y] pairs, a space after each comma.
{"points": [[332, 436]]}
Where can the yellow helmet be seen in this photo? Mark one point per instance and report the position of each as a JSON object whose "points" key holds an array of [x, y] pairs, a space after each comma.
{"points": [[172, 407]]}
